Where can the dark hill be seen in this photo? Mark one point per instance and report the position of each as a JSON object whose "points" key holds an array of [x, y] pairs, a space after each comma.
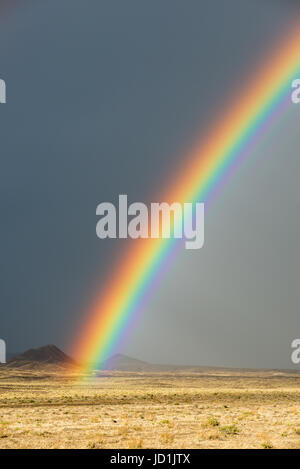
{"points": [[47, 355]]}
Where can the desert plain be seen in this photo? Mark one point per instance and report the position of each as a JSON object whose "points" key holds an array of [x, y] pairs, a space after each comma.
{"points": [[48, 407]]}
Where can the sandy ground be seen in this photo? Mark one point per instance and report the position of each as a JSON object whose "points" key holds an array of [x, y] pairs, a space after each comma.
{"points": [[41, 409]]}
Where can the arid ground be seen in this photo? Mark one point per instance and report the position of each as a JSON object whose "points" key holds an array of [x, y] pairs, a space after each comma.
{"points": [[208, 409]]}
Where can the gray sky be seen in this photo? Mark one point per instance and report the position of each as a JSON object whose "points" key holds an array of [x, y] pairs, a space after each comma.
{"points": [[103, 100]]}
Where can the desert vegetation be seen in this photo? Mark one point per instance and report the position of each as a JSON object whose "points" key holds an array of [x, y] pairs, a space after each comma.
{"points": [[46, 408]]}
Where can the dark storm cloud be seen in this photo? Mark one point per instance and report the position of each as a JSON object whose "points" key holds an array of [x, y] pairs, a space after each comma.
{"points": [[103, 99]]}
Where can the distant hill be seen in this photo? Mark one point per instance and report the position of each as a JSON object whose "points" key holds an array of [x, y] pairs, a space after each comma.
{"points": [[11, 355], [51, 357], [47, 355], [121, 362]]}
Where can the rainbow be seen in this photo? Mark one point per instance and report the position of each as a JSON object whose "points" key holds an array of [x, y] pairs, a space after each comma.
{"points": [[134, 278]]}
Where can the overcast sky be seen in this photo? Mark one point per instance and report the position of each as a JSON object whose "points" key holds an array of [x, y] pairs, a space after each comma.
{"points": [[103, 98]]}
